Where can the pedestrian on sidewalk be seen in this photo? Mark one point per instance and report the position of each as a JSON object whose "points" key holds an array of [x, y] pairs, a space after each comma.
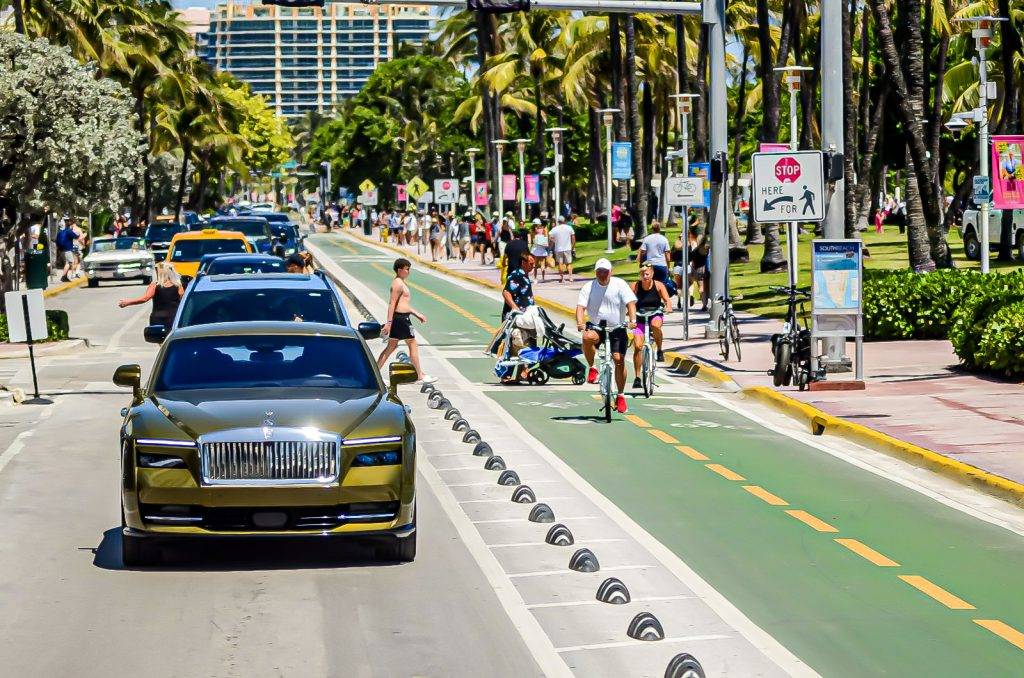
{"points": [[165, 292], [563, 242], [540, 248], [436, 234], [610, 299], [399, 320], [654, 248], [699, 249]]}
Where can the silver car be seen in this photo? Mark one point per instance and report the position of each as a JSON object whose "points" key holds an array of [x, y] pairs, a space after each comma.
{"points": [[122, 258]]}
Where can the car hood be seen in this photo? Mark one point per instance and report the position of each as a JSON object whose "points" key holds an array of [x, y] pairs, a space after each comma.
{"points": [[198, 412], [118, 255]]}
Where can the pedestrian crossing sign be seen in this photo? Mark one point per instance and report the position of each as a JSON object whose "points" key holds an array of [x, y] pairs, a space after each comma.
{"points": [[367, 186], [416, 188]]}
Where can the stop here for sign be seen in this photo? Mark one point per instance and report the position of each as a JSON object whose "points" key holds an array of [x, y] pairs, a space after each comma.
{"points": [[788, 186]]}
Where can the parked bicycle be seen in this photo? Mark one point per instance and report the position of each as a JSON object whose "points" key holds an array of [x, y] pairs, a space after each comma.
{"points": [[728, 329], [649, 352], [792, 347]]}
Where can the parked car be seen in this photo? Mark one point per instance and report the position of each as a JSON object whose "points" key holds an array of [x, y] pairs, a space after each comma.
{"points": [[970, 233], [119, 258], [234, 264]]}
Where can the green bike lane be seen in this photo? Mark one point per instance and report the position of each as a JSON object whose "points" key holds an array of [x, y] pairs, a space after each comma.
{"points": [[854, 573]]}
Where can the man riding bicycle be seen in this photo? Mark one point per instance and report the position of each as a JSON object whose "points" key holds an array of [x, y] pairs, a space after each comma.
{"points": [[651, 296], [609, 299]]}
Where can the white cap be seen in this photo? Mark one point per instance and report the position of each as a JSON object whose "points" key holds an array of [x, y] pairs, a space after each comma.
{"points": [[536, 222], [603, 264]]}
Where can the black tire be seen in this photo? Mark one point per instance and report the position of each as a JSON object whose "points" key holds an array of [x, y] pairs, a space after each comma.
{"points": [[972, 247], [579, 378], [94, 282], [400, 549], [608, 407], [734, 331], [723, 338], [783, 353], [139, 552]]}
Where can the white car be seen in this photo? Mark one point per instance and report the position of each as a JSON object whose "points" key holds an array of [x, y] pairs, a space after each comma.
{"points": [[972, 241], [121, 258]]}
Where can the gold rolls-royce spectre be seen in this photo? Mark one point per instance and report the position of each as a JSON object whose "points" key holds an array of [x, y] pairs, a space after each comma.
{"points": [[266, 429]]}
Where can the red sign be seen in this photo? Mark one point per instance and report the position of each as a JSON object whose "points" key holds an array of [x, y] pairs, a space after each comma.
{"points": [[400, 193], [787, 170]]}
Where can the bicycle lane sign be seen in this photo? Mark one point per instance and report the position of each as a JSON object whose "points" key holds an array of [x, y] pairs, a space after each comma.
{"points": [[788, 186]]}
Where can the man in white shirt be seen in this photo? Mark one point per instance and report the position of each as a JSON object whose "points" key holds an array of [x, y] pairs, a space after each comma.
{"points": [[654, 248], [563, 242], [608, 299]]}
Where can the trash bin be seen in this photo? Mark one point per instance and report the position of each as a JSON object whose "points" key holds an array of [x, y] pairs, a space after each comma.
{"points": [[37, 263]]}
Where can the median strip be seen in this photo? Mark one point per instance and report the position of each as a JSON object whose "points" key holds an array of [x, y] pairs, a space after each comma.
{"points": [[867, 553], [937, 592], [1003, 630]]}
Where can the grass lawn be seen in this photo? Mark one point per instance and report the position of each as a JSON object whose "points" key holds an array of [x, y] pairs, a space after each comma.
{"points": [[888, 251]]}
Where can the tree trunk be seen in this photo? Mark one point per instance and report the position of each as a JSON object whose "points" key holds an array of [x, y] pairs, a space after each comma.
{"points": [[596, 199], [198, 200], [700, 104], [772, 259], [539, 147], [649, 137], [918, 249], [809, 101], [640, 192], [186, 151], [485, 48], [849, 128], [867, 185], [19, 17], [619, 100], [739, 126]]}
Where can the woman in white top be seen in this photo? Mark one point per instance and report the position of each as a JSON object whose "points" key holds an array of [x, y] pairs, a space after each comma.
{"points": [[540, 249]]}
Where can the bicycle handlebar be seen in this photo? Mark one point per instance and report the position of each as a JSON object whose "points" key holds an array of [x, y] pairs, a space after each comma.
{"points": [[790, 291]]}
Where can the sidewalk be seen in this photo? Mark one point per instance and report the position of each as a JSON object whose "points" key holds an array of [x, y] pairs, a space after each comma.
{"points": [[915, 392]]}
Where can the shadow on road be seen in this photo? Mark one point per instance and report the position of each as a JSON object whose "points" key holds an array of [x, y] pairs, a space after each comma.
{"points": [[248, 554]]}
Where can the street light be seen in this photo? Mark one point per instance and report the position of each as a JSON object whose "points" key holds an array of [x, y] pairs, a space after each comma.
{"points": [[498, 197], [982, 34], [684, 104], [608, 117], [556, 141], [471, 202], [521, 147], [793, 80]]}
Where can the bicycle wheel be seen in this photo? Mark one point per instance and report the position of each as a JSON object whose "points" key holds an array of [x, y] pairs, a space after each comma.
{"points": [[606, 391], [734, 331], [780, 375], [647, 375], [723, 337]]}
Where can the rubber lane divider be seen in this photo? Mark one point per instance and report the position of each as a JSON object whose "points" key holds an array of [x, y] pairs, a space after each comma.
{"points": [[813, 522], [726, 473], [937, 592], [765, 496], [1003, 630], [822, 422], [867, 553], [64, 287], [691, 453]]}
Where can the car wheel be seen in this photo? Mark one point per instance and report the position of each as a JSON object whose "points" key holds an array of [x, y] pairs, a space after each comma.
{"points": [[400, 549], [972, 248], [94, 282], [139, 552]]}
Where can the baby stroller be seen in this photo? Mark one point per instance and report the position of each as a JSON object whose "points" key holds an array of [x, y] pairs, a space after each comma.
{"points": [[550, 354]]}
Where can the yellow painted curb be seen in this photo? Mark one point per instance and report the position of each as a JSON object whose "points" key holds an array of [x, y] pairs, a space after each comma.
{"points": [[680, 362], [64, 287], [822, 422]]}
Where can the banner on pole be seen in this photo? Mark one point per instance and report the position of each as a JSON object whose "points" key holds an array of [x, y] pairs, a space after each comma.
{"points": [[508, 187], [622, 160], [483, 197], [702, 170], [532, 186], [400, 193], [773, 148], [1007, 172]]}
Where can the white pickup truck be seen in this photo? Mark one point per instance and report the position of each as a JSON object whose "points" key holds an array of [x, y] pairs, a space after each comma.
{"points": [[972, 240]]}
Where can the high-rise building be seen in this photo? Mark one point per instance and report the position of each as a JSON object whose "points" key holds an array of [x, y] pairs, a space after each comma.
{"points": [[306, 58], [197, 23]]}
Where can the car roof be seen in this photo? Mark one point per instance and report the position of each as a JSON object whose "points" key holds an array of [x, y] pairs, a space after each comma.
{"points": [[264, 327], [210, 233], [266, 281], [241, 256], [240, 218]]}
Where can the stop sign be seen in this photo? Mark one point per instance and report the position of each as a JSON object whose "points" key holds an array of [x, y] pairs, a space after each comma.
{"points": [[787, 170]]}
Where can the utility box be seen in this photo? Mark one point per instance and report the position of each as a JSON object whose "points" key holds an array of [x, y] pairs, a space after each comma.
{"points": [[37, 273]]}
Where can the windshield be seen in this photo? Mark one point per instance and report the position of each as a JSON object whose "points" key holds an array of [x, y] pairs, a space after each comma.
{"points": [[232, 266], [245, 305], [286, 230], [275, 217], [193, 250], [251, 229], [257, 361], [118, 244], [163, 233]]}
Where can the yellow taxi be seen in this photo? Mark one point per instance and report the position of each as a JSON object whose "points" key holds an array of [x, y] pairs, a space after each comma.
{"points": [[188, 248]]}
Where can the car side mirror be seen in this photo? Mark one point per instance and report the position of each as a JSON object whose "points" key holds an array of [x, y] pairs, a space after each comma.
{"points": [[369, 330], [130, 376], [401, 373], [155, 334]]}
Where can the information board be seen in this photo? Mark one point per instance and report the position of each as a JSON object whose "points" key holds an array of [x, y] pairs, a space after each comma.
{"points": [[836, 267]]}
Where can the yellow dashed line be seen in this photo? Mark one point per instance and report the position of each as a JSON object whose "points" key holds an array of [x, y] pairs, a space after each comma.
{"points": [[937, 592], [632, 418], [691, 453], [867, 553], [455, 307], [808, 519], [726, 473], [1004, 631], [765, 495], [662, 436]]}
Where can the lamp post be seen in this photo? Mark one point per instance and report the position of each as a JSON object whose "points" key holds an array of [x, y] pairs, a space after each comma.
{"points": [[521, 147], [793, 81], [684, 104], [556, 141], [982, 34], [608, 117], [471, 202], [499, 144]]}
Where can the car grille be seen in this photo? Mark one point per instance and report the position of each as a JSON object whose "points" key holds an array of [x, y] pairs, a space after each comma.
{"points": [[271, 462]]}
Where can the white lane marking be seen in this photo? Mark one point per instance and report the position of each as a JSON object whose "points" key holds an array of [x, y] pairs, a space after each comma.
{"points": [[115, 339], [544, 543], [14, 449], [526, 520], [595, 601], [551, 573], [627, 643]]}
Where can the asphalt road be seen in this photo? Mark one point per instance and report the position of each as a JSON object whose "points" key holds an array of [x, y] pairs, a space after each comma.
{"points": [[854, 563], [69, 608]]}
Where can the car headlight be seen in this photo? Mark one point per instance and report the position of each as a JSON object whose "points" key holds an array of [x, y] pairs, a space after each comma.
{"points": [[150, 460], [383, 458]]}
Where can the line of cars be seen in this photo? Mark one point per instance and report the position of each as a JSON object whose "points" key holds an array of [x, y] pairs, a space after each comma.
{"points": [[264, 415]]}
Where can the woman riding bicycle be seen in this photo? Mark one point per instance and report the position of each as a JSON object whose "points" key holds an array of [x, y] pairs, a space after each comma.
{"points": [[651, 296]]}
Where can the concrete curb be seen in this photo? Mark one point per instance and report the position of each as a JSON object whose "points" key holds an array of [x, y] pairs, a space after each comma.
{"points": [[52, 348], [64, 287], [822, 422], [819, 422]]}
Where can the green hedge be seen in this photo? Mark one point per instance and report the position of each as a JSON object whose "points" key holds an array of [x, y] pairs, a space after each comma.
{"points": [[908, 305], [56, 323], [984, 333]]}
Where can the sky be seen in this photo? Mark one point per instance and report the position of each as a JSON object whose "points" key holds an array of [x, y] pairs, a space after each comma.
{"points": [[182, 4]]}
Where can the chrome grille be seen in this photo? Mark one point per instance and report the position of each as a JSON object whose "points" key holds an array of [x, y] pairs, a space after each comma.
{"points": [[269, 462]]}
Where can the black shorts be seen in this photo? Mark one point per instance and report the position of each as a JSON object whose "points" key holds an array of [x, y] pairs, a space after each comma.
{"points": [[401, 326], [619, 338]]}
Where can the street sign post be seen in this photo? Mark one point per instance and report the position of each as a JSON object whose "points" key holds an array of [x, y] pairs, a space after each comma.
{"points": [[788, 186], [369, 197], [26, 322], [446, 191]]}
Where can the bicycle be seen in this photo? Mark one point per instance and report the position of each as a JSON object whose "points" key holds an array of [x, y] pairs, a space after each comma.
{"points": [[648, 355], [606, 369], [792, 347], [728, 328]]}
